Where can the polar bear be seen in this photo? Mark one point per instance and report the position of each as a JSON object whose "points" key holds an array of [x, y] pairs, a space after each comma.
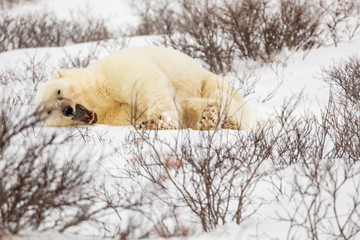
{"points": [[148, 87]]}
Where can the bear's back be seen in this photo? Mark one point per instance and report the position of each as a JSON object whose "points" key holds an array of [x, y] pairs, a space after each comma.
{"points": [[173, 63], [184, 73]]}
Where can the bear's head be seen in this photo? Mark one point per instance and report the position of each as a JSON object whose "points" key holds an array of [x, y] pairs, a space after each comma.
{"points": [[60, 101]]}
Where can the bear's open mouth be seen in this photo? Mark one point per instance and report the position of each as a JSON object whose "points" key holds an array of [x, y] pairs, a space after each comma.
{"points": [[84, 115]]}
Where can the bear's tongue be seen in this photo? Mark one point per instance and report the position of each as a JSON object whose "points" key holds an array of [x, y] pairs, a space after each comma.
{"points": [[84, 115]]}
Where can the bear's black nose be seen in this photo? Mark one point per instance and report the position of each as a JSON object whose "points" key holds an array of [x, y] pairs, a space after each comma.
{"points": [[68, 111]]}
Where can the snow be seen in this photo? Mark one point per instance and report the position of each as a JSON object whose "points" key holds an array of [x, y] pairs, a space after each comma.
{"points": [[299, 74], [118, 12]]}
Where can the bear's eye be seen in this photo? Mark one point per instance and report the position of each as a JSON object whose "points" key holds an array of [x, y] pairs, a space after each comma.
{"points": [[58, 92], [49, 112], [68, 111]]}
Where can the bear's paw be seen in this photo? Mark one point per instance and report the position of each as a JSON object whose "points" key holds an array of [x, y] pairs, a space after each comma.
{"points": [[230, 124], [210, 117], [161, 123]]}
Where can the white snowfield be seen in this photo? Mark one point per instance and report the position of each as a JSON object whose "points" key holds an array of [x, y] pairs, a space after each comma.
{"points": [[300, 74]]}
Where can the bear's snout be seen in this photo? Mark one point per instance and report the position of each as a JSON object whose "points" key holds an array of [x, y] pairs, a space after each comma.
{"points": [[84, 115]]}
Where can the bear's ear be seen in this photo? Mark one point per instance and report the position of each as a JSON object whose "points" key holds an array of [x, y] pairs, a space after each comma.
{"points": [[59, 73]]}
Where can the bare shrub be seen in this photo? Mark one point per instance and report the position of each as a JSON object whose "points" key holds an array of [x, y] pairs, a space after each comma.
{"points": [[212, 175], [344, 78], [20, 81], [45, 182], [192, 27], [8, 76], [260, 30], [299, 24], [46, 30], [85, 27], [139, 215], [40, 187], [215, 32], [79, 59], [341, 19], [207, 173], [219, 32], [344, 123], [4, 4], [201, 35], [301, 139], [156, 17], [89, 54], [30, 30], [114, 45], [242, 19], [324, 200], [321, 171]]}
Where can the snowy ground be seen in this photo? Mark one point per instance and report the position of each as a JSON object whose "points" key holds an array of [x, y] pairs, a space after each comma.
{"points": [[300, 73]]}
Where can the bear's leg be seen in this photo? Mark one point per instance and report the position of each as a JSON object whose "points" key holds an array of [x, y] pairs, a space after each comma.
{"points": [[210, 117], [160, 109], [214, 117], [161, 122], [210, 114]]}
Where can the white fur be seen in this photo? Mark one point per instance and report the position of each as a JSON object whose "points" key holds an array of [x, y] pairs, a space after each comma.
{"points": [[146, 82]]}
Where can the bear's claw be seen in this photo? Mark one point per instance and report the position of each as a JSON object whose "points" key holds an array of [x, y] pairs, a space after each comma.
{"points": [[230, 124], [156, 124], [211, 119]]}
